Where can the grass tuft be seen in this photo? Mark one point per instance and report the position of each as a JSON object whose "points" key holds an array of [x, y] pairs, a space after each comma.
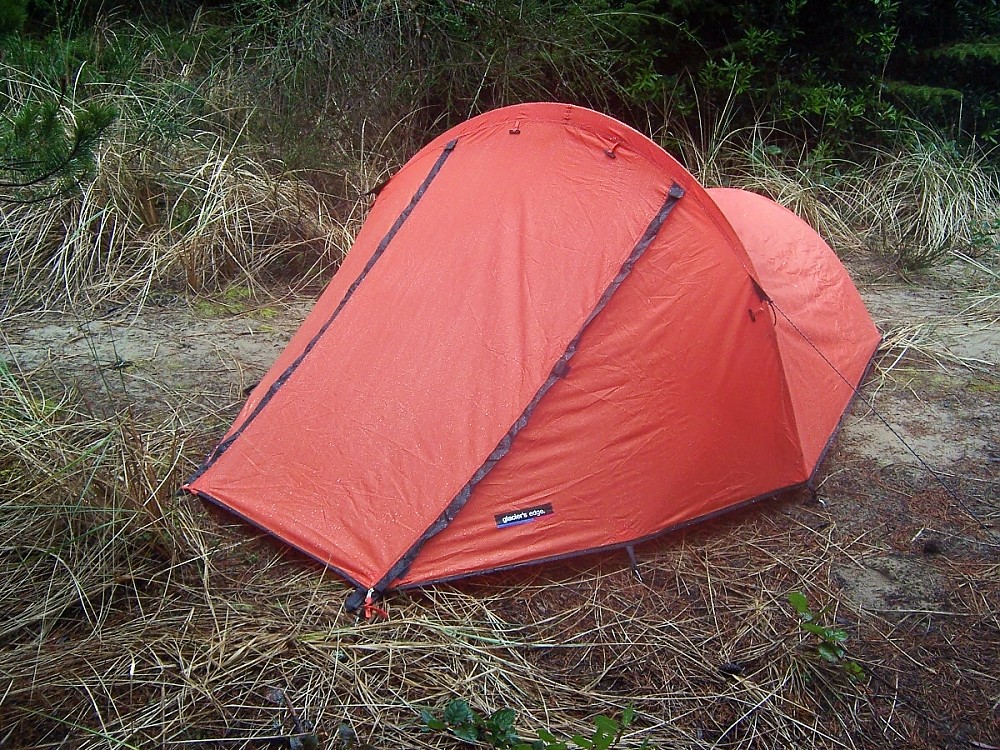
{"points": [[916, 205]]}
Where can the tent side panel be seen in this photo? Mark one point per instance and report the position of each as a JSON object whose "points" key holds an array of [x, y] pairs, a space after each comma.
{"points": [[442, 346], [559, 371], [295, 354], [674, 408], [390, 204], [826, 335]]}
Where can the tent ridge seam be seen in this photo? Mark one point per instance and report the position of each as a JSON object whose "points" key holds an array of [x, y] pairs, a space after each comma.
{"points": [[380, 249], [673, 528], [559, 370]]}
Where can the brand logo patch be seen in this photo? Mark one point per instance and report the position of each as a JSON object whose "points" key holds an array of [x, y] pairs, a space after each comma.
{"points": [[517, 517]]}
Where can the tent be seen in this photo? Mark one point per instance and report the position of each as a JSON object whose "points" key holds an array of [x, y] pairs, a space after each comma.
{"points": [[548, 339]]}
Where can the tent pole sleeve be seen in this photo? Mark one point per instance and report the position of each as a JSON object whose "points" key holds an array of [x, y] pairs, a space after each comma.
{"points": [[559, 370], [379, 250]]}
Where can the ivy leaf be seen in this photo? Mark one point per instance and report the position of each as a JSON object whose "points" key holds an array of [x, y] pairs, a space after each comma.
{"points": [[548, 741], [459, 713], [798, 600], [854, 670], [817, 630], [605, 732], [835, 634], [628, 716], [830, 653], [431, 721], [468, 733], [503, 720]]}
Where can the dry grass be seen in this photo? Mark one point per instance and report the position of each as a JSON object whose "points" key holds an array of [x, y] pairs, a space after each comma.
{"points": [[923, 202], [196, 216], [809, 184], [937, 199], [171, 203], [135, 618], [924, 343]]}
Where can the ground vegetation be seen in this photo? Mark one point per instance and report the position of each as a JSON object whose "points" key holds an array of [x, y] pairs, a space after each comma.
{"points": [[178, 179]]}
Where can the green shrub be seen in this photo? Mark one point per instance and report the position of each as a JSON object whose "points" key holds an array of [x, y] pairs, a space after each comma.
{"points": [[829, 641], [13, 14], [497, 730]]}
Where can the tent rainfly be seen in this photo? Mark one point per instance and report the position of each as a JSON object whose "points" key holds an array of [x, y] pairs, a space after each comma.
{"points": [[548, 339]]}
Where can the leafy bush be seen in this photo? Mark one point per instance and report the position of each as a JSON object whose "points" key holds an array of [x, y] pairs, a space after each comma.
{"points": [[497, 730]]}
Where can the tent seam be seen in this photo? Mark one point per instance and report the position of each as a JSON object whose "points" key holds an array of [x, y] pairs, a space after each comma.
{"points": [[380, 249], [559, 370]]}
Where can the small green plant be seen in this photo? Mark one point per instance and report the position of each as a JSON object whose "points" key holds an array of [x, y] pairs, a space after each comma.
{"points": [[47, 149], [497, 730], [830, 646]]}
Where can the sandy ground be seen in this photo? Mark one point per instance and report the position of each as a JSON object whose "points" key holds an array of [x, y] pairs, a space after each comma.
{"points": [[932, 402], [932, 407], [929, 552]]}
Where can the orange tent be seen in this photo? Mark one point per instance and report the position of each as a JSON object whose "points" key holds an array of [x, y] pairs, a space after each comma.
{"points": [[548, 339]]}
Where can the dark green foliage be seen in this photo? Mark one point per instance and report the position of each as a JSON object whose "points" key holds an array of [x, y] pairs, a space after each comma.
{"points": [[46, 150], [497, 730], [13, 14], [314, 71], [837, 70], [330, 69], [953, 46]]}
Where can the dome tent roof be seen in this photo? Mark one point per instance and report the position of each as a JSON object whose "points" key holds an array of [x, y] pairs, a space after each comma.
{"points": [[547, 339]]}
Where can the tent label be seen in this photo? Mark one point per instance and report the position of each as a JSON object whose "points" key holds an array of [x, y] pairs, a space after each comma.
{"points": [[517, 517]]}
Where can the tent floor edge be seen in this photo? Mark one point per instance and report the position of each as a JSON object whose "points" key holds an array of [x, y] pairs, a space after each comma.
{"points": [[615, 547], [200, 494]]}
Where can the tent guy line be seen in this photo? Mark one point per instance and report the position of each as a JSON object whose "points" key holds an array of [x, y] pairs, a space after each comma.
{"points": [[952, 493]]}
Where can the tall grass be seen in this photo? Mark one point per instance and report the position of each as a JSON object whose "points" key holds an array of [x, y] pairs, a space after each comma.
{"points": [[206, 216], [932, 200], [916, 203], [179, 195], [191, 187], [330, 68]]}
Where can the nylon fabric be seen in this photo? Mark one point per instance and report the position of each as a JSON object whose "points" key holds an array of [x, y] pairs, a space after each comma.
{"points": [[807, 281], [675, 406], [685, 396]]}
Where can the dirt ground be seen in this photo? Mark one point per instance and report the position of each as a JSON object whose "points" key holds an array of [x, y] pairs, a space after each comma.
{"points": [[923, 559]]}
